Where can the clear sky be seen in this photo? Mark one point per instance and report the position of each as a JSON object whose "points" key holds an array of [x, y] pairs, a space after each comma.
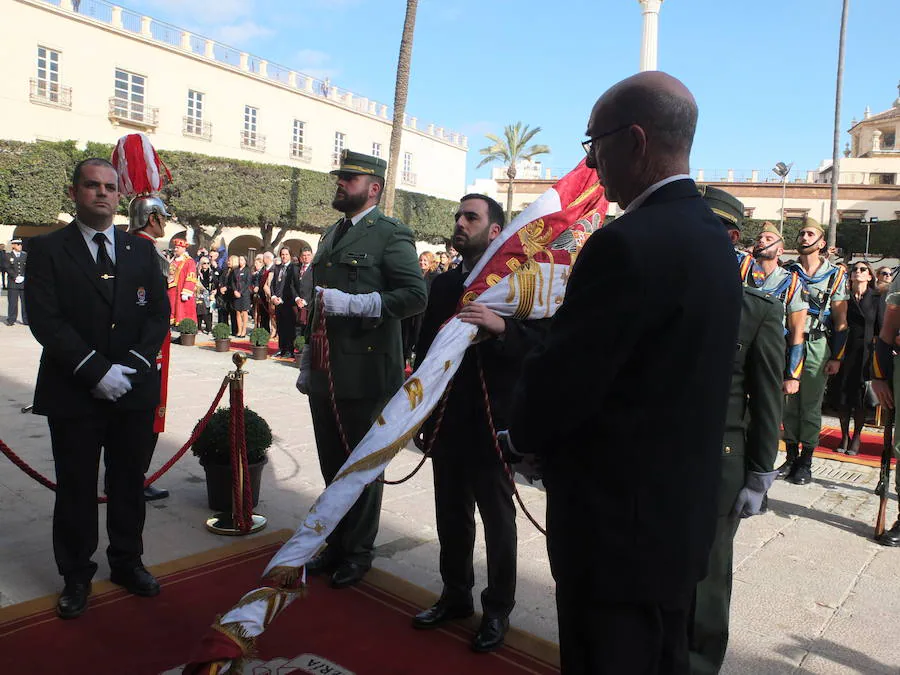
{"points": [[763, 71]]}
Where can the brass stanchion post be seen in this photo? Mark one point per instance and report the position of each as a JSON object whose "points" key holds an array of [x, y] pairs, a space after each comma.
{"points": [[226, 523]]}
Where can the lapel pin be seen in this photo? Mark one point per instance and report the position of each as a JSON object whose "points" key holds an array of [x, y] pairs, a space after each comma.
{"points": [[127, 247]]}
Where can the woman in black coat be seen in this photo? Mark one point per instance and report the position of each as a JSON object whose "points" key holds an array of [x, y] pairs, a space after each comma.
{"points": [[864, 316], [240, 292]]}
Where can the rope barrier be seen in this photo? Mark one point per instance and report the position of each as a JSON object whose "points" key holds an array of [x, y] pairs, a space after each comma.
{"points": [[201, 425]]}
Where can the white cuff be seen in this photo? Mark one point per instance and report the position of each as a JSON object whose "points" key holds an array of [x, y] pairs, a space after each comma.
{"points": [[84, 360], [131, 351]]}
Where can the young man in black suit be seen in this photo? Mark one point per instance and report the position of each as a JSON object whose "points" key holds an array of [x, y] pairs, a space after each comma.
{"points": [[635, 370], [98, 307], [467, 469]]}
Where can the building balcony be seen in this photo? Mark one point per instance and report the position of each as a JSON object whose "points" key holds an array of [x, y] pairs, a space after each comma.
{"points": [[408, 178], [131, 113], [52, 94], [250, 140], [301, 152], [194, 128]]}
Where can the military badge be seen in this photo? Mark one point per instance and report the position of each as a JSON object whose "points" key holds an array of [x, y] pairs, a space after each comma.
{"points": [[141, 296]]}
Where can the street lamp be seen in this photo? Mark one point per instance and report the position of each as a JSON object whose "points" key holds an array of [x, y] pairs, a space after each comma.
{"points": [[781, 169]]}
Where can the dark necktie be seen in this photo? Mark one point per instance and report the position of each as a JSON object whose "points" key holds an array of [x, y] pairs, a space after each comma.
{"points": [[342, 228], [104, 263]]}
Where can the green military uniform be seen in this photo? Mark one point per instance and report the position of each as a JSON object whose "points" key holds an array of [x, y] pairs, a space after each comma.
{"points": [[749, 449], [376, 254], [803, 410]]}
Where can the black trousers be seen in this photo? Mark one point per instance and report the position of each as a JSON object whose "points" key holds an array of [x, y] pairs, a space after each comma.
{"points": [[353, 540], [205, 321], [14, 297], [598, 638], [458, 486], [127, 439], [287, 329]]}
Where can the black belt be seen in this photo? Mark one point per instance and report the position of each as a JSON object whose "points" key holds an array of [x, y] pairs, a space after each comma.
{"points": [[814, 335]]}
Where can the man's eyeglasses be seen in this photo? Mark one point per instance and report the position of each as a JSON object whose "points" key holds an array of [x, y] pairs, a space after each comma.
{"points": [[588, 145]]}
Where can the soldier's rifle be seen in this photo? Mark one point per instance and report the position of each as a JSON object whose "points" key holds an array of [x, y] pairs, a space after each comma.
{"points": [[884, 478]]}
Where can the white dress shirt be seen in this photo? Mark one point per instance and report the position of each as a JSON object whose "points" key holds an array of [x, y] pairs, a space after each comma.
{"points": [[641, 198], [88, 234]]}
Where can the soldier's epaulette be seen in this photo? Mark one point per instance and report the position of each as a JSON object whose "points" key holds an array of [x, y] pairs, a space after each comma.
{"points": [[761, 295], [389, 219]]}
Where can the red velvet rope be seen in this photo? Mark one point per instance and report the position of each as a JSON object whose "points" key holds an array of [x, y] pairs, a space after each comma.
{"points": [[46, 482], [493, 430]]}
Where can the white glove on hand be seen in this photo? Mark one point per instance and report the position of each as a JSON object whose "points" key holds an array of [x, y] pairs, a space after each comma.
{"points": [[305, 367], [185, 297], [114, 384], [749, 499], [338, 303], [20, 279]]}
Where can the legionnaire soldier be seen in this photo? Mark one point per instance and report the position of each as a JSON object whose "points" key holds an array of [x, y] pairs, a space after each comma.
{"points": [[826, 340], [749, 449], [885, 373], [366, 274], [182, 281], [788, 288], [147, 219], [13, 263]]}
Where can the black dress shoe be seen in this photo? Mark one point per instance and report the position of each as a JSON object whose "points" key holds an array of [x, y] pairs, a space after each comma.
{"points": [[151, 494], [321, 564], [891, 537], [440, 612], [491, 634], [348, 574], [73, 600], [137, 581]]}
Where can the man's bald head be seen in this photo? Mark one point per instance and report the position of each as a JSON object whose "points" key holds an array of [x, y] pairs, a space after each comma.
{"points": [[650, 119]]}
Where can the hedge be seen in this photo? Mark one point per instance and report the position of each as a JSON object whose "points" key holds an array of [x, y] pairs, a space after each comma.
{"points": [[207, 194]]}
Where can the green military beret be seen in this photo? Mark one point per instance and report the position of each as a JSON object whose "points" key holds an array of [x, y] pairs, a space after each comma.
{"points": [[358, 163], [729, 209]]}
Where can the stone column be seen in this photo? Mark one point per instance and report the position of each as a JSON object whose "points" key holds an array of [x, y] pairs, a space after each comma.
{"points": [[700, 175], [145, 26], [209, 50], [264, 68], [66, 5], [115, 18], [650, 34], [754, 176], [292, 79], [245, 61], [186, 41]]}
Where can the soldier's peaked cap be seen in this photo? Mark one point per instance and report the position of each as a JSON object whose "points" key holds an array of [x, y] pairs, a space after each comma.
{"points": [[358, 163], [729, 209], [16, 241]]}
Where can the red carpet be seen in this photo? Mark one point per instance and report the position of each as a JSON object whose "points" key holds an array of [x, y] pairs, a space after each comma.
{"points": [[869, 448], [363, 630], [243, 345]]}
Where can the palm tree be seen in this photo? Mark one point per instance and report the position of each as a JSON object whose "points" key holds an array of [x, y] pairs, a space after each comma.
{"points": [[836, 154], [401, 90], [510, 150]]}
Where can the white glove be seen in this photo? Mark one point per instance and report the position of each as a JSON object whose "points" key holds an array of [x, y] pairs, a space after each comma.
{"points": [[20, 279], [185, 297], [114, 384], [338, 303], [749, 499], [305, 366]]}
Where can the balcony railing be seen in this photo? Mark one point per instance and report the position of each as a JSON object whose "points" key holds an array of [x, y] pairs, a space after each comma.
{"points": [[408, 178], [250, 140], [124, 111], [301, 152], [50, 93], [195, 128]]}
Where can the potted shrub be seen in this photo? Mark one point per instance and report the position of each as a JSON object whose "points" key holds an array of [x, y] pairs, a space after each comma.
{"points": [[299, 343], [222, 335], [213, 449], [188, 330], [259, 343]]}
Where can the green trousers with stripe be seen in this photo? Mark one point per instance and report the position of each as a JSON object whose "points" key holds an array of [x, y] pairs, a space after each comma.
{"points": [[803, 410]]}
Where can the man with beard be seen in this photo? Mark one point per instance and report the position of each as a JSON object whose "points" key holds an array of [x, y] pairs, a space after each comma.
{"points": [[826, 322], [367, 279], [467, 469], [789, 289]]}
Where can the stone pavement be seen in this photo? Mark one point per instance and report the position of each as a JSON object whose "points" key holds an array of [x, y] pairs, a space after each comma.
{"points": [[813, 593]]}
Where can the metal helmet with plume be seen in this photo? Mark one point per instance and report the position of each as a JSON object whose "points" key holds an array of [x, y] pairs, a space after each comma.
{"points": [[142, 174]]}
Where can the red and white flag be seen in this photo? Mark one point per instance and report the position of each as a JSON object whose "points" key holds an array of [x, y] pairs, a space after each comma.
{"points": [[523, 274]]}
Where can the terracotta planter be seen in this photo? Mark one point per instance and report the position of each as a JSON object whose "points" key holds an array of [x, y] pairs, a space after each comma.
{"points": [[187, 339], [218, 484], [259, 352], [223, 345]]}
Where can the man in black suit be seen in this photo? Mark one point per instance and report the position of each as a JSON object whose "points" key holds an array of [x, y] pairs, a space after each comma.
{"points": [[283, 293], [13, 263], [467, 469], [98, 307], [635, 371]]}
